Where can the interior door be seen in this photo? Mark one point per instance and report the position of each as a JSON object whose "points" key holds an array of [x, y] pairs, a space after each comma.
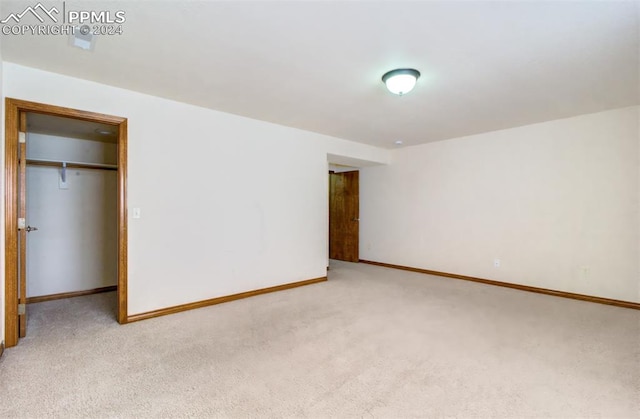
{"points": [[22, 227], [344, 216]]}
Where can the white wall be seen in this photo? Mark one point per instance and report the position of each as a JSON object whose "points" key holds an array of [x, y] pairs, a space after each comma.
{"points": [[557, 202], [228, 204], [75, 247], [52, 147]]}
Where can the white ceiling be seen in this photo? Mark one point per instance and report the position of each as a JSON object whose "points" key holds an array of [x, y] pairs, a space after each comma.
{"points": [[317, 65]]}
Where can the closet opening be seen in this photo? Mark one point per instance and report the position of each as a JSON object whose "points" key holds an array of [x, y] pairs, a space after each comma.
{"points": [[65, 210], [71, 207]]}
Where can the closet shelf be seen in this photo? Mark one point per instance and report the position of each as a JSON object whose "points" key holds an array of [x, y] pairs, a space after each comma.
{"points": [[71, 164]]}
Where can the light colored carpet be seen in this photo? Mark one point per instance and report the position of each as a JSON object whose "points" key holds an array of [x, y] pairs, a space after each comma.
{"points": [[371, 342]]}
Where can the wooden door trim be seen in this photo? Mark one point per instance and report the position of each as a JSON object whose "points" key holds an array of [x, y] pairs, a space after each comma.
{"points": [[22, 234], [13, 108], [11, 196]]}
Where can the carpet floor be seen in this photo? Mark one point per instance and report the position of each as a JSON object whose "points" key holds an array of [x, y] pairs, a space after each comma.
{"points": [[370, 342]]}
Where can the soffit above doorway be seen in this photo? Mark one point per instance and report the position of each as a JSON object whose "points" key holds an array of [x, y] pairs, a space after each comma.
{"points": [[72, 128]]}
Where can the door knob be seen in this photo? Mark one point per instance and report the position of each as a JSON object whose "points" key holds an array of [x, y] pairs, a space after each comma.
{"points": [[30, 229], [356, 219]]}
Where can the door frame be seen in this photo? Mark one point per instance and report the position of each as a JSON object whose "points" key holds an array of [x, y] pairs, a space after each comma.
{"points": [[13, 110]]}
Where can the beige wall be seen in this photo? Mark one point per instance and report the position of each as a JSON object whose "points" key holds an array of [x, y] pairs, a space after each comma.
{"points": [[241, 204], [228, 204], [556, 202]]}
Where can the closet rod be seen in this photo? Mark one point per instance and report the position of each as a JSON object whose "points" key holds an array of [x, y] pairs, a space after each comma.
{"points": [[71, 164]]}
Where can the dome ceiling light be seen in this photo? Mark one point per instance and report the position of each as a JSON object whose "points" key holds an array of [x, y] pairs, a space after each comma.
{"points": [[401, 80]]}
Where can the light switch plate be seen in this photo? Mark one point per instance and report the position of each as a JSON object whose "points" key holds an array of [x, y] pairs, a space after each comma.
{"points": [[136, 213]]}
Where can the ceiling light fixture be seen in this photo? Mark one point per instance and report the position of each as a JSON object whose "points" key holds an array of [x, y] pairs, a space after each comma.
{"points": [[398, 142], [401, 81]]}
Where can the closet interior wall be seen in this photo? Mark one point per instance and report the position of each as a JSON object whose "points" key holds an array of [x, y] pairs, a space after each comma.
{"points": [[75, 211]]}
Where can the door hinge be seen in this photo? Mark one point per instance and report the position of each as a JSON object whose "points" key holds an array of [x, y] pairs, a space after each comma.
{"points": [[22, 223], [22, 309], [22, 137]]}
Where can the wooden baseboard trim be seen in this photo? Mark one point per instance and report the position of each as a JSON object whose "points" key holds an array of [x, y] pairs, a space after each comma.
{"points": [[219, 300], [563, 294], [62, 295]]}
